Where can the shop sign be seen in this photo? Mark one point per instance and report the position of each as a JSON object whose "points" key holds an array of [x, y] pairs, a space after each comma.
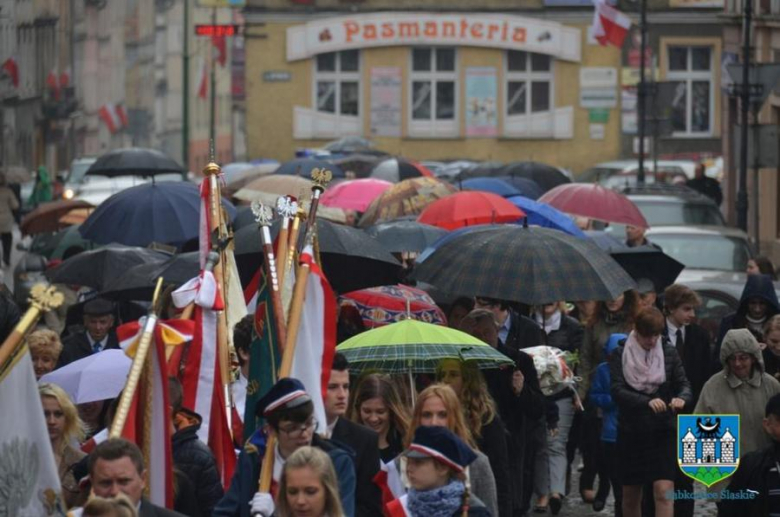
{"points": [[404, 29], [386, 101], [276, 76], [481, 103]]}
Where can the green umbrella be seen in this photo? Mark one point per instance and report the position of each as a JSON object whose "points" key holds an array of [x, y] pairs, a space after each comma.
{"points": [[411, 346]]}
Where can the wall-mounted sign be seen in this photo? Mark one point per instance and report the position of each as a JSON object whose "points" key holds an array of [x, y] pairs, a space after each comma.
{"points": [[276, 76], [386, 101], [686, 4], [481, 104], [598, 87], [395, 29]]}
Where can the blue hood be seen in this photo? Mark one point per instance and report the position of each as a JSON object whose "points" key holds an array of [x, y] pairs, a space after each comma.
{"points": [[759, 286], [612, 343]]}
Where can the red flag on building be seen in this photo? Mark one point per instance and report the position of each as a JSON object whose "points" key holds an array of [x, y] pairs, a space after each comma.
{"points": [[220, 43], [203, 80], [12, 69], [121, 114], [53, 83], [65, 78], [610, 26]]}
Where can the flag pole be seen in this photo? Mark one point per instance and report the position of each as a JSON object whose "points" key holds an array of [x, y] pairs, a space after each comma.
{"points": [[263, 215], [42, 299], [292, 246], [212, 172], [139, 362], [286, 208], [320, 178]]}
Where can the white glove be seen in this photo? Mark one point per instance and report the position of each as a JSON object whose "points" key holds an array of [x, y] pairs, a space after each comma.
{"points": [[262, 504]]}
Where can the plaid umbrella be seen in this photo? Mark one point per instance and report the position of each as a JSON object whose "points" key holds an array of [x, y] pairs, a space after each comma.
{"points": [[409, 197], [399, 236], [411, 346], [527, 265]]}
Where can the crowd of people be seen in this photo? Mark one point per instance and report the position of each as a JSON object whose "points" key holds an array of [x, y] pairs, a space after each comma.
{"points": [[461, 441]]}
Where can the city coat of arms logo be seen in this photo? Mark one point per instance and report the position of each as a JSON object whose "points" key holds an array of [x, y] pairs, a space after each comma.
{"points": [[708, 446]]}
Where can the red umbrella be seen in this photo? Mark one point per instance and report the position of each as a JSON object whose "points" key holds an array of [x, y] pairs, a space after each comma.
{"points": [[595, 202], [468, 209], [379, 306], [354, 194]]}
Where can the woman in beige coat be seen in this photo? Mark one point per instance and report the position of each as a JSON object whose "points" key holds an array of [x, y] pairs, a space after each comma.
{"points": [[8, 203]]}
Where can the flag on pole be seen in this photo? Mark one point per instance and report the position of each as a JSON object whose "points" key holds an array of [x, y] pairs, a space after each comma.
{"points": [[316, 344], [220, 44], [12, 69], [149, 421], [264, 358], [610, 26], [53, 83], [114, 116], [65, 78], [202, 380], [203, 80], [30, 482]]}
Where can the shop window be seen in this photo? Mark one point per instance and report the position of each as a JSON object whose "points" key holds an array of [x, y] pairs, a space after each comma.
{"points": [[337, 83], [691, 69], [434, 90], [529, 80]]}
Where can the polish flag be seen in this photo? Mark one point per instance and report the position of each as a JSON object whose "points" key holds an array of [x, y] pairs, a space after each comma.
{"points": [[65, 78], [220, 44], [12, 69], [53, 84], [316, 344], [121, 114], [610, 26], [203, 80], [113, 117]]}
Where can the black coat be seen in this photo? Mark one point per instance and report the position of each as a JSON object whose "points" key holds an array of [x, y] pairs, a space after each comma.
{"points": [[195, 459], [492, 442], [708, 187], [523, 332], [753, 475], [634, 413], [515, 409], [365, 443], [568, 337], [695, 356], [150, 510], [76, 346]]}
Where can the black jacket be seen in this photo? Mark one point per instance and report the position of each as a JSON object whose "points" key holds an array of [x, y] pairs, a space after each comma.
{"points": [[76, 346], [634, 413], [696, 359], [568, 337], [150, 510], [708, 187], [523, 332], [365, 443], [753, 475], [195, 459], [515, 409], [757, 286], [492, 442]]}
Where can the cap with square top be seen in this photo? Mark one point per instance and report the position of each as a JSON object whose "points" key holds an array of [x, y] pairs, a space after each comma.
{"points": [[287, 393], [440, 444]]}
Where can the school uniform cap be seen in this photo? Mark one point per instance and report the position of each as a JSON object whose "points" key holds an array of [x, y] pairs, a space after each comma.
{"points": [[98, 307], [287, 393], [440, 444]]}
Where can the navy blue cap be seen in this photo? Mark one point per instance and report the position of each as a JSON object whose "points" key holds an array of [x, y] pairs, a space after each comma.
{"points": [[441, 444], [287, 393]]}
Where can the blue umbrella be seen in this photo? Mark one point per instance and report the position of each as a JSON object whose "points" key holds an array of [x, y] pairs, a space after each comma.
{"points": [[167, 213], [494, 185], [527, 187], [304, 166], [542, 214]]}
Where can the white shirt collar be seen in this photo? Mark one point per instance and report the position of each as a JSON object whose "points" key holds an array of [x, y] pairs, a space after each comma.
{"points": [[329, 429], [278, 464], [92, 342], [673, 331]]}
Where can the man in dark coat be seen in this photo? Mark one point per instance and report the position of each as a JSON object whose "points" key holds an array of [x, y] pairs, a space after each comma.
{"points": [[98, 333], [757, 304], [758, 474], [514, 330], [191, 455], [117, 465], [362, 440], [709, 187], [518, 398]]}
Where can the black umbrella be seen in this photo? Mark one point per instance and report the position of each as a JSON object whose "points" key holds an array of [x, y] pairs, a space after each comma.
{"points": [[134, 161], [304, 166], [546, 176], [138, 282], [649, 262], [527, 265], [405, 235], [97, 268], [351, 259]]}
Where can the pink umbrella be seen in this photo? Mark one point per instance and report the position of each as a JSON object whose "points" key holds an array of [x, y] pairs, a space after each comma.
{"points": [[354, 194], [595, 202]]}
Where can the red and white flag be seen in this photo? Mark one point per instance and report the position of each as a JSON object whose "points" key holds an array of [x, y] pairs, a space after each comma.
{"points": [[149, 425], [610, 26], [65, 78], [203, 80], [114, 116], [53, 83], [316, 344], [12, 69]]}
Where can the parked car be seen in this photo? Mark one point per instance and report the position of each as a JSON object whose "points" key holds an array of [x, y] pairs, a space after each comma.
{"points": [[718, 248], [623, 173]]}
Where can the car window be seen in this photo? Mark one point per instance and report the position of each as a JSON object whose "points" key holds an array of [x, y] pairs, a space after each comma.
{"points": [[714, 307], [679, 214], [705, 251], [78, 170], [598, 174]]}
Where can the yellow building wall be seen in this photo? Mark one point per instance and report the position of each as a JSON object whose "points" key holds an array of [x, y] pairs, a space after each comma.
{"points": [[270, 106]]}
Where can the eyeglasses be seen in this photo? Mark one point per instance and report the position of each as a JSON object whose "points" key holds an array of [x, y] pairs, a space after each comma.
{"points": [[297, 430]]}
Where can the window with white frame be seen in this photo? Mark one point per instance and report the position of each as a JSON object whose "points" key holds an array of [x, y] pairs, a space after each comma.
{"points": [[529, 79], [337, 83], [433, 109], [691, 68]]}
